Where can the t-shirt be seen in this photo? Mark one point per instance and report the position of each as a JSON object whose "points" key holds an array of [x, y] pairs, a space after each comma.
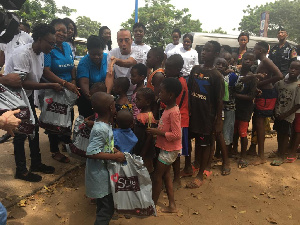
{"points": [[145, 49], [25, 60], [229, 99], [73, 49], [19, 39], [190, 59], [206, 90], [244, 108], [288, 97], [61, 62], [184, 99], [170, 123], [97, 182], [124, 139], [135, 53], [86, 68], [172, 49]]}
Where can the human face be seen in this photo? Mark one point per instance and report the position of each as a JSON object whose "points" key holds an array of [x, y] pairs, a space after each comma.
{"points": [[96, 55], [294, 70], [208, 53], [187, 44], [47, 43], [70, 30], [171, 70], [164, 96], [282, 35], [60, 33], [138, 34], [243, 40], [106, 35], [151, 59], [256, 51], [175, 37], [124, 42], [221, 65], [140, 101], [248, 60], [135, 77]]}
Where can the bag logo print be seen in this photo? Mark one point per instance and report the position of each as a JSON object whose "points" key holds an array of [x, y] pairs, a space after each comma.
{"points": [[126, 183], [115, 177], [49, 100]]}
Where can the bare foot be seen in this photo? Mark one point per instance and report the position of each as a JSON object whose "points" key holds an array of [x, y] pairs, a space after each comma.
{"points": [[169, 209], [258, 161], [195, 184], [176, 184]]}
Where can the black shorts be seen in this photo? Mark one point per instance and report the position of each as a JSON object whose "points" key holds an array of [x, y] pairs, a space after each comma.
{"points": [[282, 126], [201, 139]]}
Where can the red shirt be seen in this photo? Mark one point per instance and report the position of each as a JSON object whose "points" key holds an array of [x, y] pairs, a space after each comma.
{"points": [[184, 109]]}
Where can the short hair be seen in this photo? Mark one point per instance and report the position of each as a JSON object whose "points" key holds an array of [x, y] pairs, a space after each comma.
{"points": [[101, 102], [176, 60], [56, 21], [244, 34], [221, 59], [189, 36], [94, 41], [124, 119], [158, 52], [176, 30], [148, 94], [25, 24], [281, 29], [101, 31], [98, 87], [248, 53], [227, 48], [139, 25], [264, 45], [42, 30], [123, 83], [141, 68], [172, 85], [123, 29], [216, 45]]}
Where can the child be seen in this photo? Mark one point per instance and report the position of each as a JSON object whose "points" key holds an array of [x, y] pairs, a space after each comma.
{"points": [[124, 137], [145, 99], [173, 67], [206, 91], [244, 107], [265, 103], [168, 141], [138, 75], [100, 149], [288, 102], [120, 88]]}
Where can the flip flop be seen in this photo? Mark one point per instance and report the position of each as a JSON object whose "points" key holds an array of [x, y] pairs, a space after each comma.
{"points": [[276, 162], [290, 160], [60, 157], [184, 174], [273, 154], [243, 163], [193, 185], [226, 171], [207, 173]]}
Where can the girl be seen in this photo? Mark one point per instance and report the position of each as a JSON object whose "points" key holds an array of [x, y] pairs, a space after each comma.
{"points": [[121, 86], [168, 140], [173, 48], [105, 35], [71, 34]]}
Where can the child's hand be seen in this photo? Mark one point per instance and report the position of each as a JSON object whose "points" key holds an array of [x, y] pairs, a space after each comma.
{"points": [[119, 156], [229, 71], [89, 123], [155, 131], [258, 92], [260, 76]]}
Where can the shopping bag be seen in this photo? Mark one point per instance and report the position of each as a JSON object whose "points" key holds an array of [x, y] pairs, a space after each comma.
{"points": [[131, 186], [56, 109], [11, 99], [81, 136]]}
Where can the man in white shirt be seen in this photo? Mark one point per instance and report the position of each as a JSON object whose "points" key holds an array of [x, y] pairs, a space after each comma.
{"points": [[121, 59]]}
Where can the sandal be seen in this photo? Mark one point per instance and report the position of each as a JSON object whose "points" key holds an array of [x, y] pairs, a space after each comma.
{"points": [[194, 184], [60, 157], [207, 173], [273, 154], [184, 174], [276, 162], [290, 159], [242, 163], [226, 171]]}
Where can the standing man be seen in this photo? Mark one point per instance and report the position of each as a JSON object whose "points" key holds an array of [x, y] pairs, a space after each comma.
{"points": [[283, 53], [121, 59]]}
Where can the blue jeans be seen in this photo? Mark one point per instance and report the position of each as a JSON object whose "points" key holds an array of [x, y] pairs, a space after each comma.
{"points": [[3, 215], [105, 210]]}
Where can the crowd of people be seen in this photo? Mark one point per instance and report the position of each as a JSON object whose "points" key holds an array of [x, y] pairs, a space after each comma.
{"points": [[155, 102]]}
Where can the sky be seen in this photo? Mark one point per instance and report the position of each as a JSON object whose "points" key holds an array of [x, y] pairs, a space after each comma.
{"points": [[226, 14]]}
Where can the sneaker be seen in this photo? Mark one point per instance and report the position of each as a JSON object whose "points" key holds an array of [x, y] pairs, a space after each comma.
{"points": [[43, 169], [31, 177], [5, 138]]}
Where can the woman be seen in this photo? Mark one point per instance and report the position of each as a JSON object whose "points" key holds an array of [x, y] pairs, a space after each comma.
{"points": [[105, 35], [71, 34], [91, 69], [189, 55], [59, 68], [243, 40], [174, 48]]}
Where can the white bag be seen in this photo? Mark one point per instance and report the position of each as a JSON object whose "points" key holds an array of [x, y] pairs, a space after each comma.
{"points": [[131, 186], [11, 99], [56, 108]]}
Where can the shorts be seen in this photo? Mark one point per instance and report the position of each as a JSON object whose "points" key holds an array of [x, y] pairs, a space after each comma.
{"points": [[228, 126], [241, 127], [168, 157], [185, 141], [201, 139], [265, 103], [297, 123], [282, 126]]}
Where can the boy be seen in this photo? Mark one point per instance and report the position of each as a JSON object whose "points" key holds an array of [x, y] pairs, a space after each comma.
{"points": [[265, 103], [100, 149], [244, 106], [288, 102], [206, 90]]}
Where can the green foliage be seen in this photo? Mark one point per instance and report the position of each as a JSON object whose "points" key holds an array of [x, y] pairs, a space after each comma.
{"points": [[81, 50], [218, 31], [283, 13], [41, 11], [160, 18], [86, 27]]}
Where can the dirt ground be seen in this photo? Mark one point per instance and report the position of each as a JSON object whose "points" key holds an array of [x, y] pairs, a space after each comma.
{"points": [[254, 195]]}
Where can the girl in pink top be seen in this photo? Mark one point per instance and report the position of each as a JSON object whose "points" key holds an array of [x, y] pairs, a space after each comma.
{"points": [[168, 140]]}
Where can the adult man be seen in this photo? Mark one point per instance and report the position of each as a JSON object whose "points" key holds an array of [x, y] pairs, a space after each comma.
{"points": [[283, 53], [121, 59]]}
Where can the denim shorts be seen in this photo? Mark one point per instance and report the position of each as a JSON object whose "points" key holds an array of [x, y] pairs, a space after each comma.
{"points": [[228, 126]]}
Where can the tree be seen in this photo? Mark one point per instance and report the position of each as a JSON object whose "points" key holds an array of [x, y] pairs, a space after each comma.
{"points": [[160, 18], [218, 31], [86, 27], [43, 11], [283, 13]]}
